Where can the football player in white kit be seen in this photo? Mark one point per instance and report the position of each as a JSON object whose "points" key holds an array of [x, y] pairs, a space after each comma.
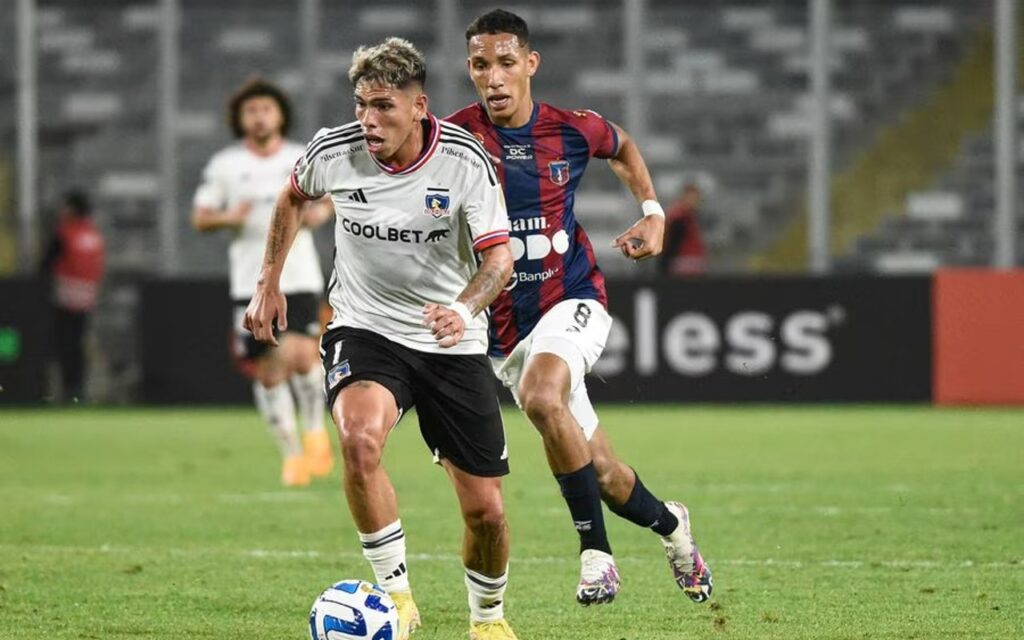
{"points": [[238, 190], [421, 237]]}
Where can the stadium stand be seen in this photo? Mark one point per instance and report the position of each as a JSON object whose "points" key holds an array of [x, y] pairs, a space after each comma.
{"points": [[727, 94]]}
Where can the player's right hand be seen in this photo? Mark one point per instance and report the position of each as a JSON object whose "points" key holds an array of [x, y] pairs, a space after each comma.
{"points": [[241, 211], [265, 307]]}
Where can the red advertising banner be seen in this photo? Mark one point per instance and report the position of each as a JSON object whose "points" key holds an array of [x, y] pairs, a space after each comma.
{"points": [[978, 330]]}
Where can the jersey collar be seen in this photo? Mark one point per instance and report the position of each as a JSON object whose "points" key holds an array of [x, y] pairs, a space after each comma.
{"points": [[428, 150], [513, 130]]}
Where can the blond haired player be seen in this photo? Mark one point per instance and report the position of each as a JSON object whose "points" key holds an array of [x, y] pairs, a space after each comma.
{"points": [[421, 238]]}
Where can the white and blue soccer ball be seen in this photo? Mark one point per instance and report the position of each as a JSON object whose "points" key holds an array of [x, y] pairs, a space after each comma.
{"points": [[353, 610]]}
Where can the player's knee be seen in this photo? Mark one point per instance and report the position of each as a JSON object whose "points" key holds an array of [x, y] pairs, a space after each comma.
{"points": [[486, 519], [269, 375], [543, 405], [361, 446]]}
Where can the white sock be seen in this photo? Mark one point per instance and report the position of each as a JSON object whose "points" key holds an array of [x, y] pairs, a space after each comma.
{"points": [[277, 408], [385, 551], [486, 596], [309, 396]]}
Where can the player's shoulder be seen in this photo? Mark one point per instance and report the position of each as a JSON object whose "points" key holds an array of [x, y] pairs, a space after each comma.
{"points": [[331, 138], [228, 160], [468, 114], [228, 154], [579, 117], [292, 148], [455, 142]]}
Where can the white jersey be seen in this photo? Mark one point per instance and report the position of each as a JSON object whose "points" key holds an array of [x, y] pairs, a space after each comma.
{"points": [[405, 238], [237, 174]]}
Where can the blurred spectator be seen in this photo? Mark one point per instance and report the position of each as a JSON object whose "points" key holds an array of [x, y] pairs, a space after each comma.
{"points": [[74, 259], [683, 254]]}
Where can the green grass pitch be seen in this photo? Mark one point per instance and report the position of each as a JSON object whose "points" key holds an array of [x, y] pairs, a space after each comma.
{"points": [[819, 522]]}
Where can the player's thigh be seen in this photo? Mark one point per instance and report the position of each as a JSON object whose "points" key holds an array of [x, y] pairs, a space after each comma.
{"points": [[479, 497], [546, 379], [576, 332], [460, 417], [367, 383], [364, 409], [269, 367], [299, 351]]}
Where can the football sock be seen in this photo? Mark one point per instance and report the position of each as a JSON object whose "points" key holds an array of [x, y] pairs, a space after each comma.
{"points": [[486, 596], [582, 494], [309, 396], [643, 509], [385, 551], [278, 409]]}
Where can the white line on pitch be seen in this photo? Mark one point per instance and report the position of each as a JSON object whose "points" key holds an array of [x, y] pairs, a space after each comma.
{"points": [[286, 554]]}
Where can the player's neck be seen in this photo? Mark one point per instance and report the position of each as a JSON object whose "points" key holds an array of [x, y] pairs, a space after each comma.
{"points": [[518, 119], [412, 148], [267, 147]]}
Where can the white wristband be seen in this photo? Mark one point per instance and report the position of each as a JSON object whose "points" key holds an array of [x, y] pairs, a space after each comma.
{"points": [[463, 311], [652, 208]]}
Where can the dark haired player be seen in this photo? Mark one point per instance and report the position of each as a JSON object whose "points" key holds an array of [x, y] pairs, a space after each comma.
{"points": [[238, 191], [550, 325]]}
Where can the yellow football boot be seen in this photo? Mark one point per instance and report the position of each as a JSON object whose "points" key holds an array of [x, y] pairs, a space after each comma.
{"points": [[498, 630], [408, 614], [317, 448], [294, 472]]}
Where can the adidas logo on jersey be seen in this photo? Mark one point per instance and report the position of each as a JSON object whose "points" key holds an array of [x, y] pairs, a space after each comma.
{"points": [[357, 196]]}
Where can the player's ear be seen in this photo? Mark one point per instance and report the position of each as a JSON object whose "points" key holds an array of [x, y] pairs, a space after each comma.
{"points": [[420, 105], [532, 62]]}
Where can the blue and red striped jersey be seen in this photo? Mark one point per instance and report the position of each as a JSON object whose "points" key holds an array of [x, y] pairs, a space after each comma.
{"points": [[541, 166]]}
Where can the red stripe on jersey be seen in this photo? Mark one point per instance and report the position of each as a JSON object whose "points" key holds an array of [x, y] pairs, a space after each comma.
{"points": [[298, 190], [503, 322], [552, 207], [490, 239], [596, 277]]}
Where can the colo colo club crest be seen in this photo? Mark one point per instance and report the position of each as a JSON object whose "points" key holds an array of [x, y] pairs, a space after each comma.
{"points": [[437, 204]]}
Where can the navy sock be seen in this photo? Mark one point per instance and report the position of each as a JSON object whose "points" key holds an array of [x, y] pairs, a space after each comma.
{"points": [[583, 495], [643, 509]]}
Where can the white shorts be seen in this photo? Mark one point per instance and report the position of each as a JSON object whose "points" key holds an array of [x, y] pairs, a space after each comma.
{"points": [[575, 331]]}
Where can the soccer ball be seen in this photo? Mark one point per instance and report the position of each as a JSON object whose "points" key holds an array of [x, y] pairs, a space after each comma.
{"points": [[353, 609]]}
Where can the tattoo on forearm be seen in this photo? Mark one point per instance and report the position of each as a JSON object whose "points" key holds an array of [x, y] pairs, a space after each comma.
{"points": [[275, 239], [483, 288]]}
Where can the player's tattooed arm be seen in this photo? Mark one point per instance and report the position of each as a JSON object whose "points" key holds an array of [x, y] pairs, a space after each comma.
{"points": [[492, 276], [644, 239], [268, 307], [447, 323]]}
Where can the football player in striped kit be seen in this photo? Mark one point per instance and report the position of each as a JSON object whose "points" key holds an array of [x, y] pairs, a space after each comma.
{"points": [[550, 325]]}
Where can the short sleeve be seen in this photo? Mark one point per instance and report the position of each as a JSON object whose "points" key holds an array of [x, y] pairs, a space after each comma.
{"points": [[600, 134], [485, 210], [308, 180], [212, 193]]}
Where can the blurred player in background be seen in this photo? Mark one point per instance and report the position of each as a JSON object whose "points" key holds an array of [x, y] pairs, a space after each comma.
{"points": [[421, 240], [684, 253], [74, 259], [550, 324], [238, 191]]}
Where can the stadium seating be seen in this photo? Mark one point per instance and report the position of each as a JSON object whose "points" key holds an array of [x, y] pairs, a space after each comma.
{"points": [[726, 89]]}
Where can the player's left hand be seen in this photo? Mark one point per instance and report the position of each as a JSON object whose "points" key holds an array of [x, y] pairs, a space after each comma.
{"points": [[446, 324], [643, 240]]}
